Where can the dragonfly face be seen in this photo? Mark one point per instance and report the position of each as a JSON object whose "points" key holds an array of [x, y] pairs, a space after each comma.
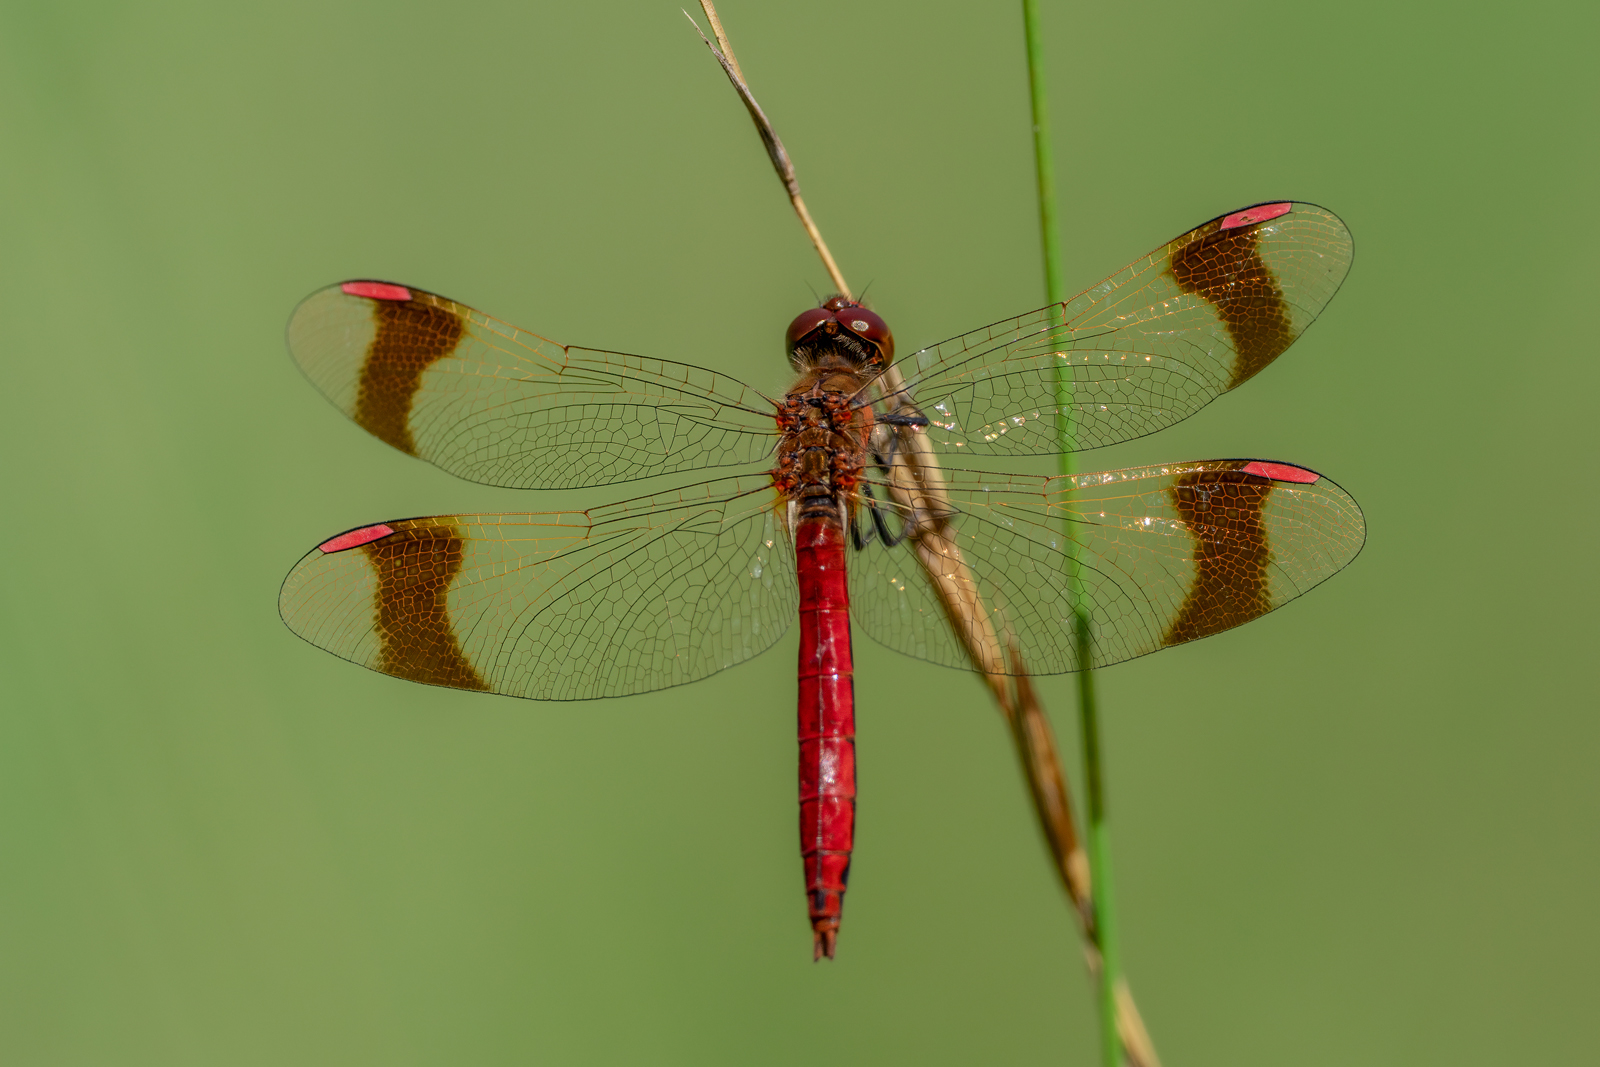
{"points": [[668, 588]]}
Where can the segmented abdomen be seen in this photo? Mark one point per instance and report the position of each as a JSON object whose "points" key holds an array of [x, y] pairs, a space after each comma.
{"points": [[827, 724]]}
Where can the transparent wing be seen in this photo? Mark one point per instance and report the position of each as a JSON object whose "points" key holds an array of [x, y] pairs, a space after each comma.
{"points": [[627, 598], [1150, 345], [494, 404], [1165, 554]]}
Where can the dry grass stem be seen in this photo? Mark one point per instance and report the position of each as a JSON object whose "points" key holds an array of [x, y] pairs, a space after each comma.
{"points": [[916, 483], [769, 138]]}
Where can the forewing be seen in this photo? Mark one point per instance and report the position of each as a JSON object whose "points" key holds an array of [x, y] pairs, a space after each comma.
{"points": [[622, 599], [1165, 555], [1150, 345], [495, 404]]}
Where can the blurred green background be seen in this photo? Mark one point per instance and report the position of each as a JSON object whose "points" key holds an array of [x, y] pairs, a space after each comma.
{"points": [[1362, 830]]}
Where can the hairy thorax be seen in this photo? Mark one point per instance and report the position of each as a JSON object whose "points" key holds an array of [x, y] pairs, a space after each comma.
{"points": [[825, 429]]}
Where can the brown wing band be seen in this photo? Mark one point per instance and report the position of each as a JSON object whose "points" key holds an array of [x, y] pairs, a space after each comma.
{"points": [[1222, 510], [412, 335], [419, 642], [1224, 268]]}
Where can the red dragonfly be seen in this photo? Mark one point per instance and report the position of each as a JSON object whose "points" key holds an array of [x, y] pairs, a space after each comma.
{"points": [[824, 522]]}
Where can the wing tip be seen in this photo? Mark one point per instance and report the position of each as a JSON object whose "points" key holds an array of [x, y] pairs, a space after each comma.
{"points": [[1281, 472], [355, 538], [375, 290], [1256, 213]]}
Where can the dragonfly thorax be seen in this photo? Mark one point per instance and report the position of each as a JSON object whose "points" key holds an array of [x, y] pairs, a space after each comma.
{"points": [[825, 433]]}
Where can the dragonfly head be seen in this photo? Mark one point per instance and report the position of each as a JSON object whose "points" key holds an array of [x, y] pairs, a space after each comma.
{"points": [[839, 328]]}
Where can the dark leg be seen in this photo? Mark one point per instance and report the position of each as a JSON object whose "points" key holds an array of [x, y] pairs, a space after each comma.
{"points": [[857, 538], [889, 540]]}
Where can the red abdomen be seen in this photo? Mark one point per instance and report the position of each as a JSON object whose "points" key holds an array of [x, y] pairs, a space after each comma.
{"points": [[827, 724]]}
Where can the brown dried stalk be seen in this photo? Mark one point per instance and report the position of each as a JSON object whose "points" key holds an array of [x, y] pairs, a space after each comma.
{"points": [[916, 483]]}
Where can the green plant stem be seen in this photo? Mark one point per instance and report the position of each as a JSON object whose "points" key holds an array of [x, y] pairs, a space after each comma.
{"points": [[1043, 164], [1105, 928], [1105, 920]]}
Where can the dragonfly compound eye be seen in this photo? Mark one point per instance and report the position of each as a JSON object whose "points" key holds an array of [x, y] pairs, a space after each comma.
{"points": [[805, 324], [870, 327]]}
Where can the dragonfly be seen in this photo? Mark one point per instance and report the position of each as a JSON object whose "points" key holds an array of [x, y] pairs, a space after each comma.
{"points": [[813, 510]]}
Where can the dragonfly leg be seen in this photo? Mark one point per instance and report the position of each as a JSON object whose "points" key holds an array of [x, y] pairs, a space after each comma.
{"points": [[858, 538], [882, 527]]}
